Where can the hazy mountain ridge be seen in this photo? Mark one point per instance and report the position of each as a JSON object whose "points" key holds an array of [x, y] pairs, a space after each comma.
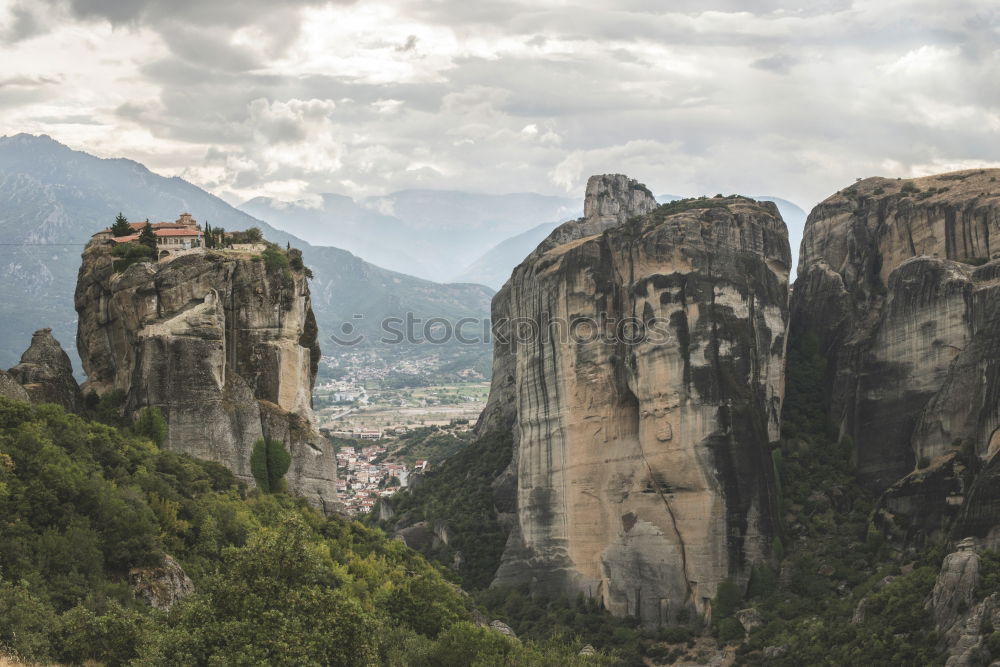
{"points": [[428, 233], [493, 267], [57, 197]]}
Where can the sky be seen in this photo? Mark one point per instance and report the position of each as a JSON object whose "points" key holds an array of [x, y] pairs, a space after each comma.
{"points": [[290, 99]]}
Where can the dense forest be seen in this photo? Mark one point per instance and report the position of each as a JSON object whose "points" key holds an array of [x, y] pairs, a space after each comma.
{"points": [[85, 505]]}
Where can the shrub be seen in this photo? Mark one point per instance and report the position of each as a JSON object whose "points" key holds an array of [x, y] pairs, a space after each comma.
{"points": [[274, 259], [252, 235], [147, 237], [295, 261], [269, 462], [730, 630], [128, 254], [727, 600], [151, 424]]}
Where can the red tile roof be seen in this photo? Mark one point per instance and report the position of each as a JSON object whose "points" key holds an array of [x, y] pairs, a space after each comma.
{"points": [[137, 226]]}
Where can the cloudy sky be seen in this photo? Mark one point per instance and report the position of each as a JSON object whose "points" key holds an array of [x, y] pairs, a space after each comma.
{"points": [[288, 99]]}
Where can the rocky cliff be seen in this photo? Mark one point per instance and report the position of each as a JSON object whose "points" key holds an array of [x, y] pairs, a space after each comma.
{"points": [[46, 374], [641, 472], [222, 343], [898, 284], [963, 618]]}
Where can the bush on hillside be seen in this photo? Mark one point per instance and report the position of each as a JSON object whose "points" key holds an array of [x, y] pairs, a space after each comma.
{"points": [[269, 462]]}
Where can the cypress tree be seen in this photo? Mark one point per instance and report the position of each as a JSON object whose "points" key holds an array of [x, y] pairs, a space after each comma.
{"points": [[121, 227], [269, 462], [147, 237]]}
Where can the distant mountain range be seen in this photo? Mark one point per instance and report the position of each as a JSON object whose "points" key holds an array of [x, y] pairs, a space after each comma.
{"points": [[494, 266], [434, 234], [52, 198]]}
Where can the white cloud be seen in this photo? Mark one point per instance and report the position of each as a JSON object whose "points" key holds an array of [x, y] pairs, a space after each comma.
{"points": [[295, 99]]}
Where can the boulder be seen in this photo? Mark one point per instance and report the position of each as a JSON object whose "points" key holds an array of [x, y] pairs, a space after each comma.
{"points": [[502, 628], [161, 587]]}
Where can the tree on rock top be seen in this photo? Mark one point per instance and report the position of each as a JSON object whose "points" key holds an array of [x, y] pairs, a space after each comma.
{"points": [[147, 237], [121, 226], [269, 462]]}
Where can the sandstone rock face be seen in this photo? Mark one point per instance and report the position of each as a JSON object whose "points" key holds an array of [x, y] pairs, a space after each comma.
{"points": [[11, 388], [921, 507], [641, 472], [46, 373], [962, 621], [892, 285], [954, 591], [223, 347]]}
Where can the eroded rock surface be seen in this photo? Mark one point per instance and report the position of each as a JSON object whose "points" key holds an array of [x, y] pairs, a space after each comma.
{"points": [[641, 472], [225, 348], [963, 621], [11, 388], [892, 285], [161, 587], [46, 373]]}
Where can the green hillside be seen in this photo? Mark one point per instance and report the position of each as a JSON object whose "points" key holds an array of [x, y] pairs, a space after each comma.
{"points": [[84, 504]]}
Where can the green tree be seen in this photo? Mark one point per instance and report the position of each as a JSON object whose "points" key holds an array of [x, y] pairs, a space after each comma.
{"points": [[277, 601], [269, 462], [147, 237], [121, 226], [152, 425]]}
